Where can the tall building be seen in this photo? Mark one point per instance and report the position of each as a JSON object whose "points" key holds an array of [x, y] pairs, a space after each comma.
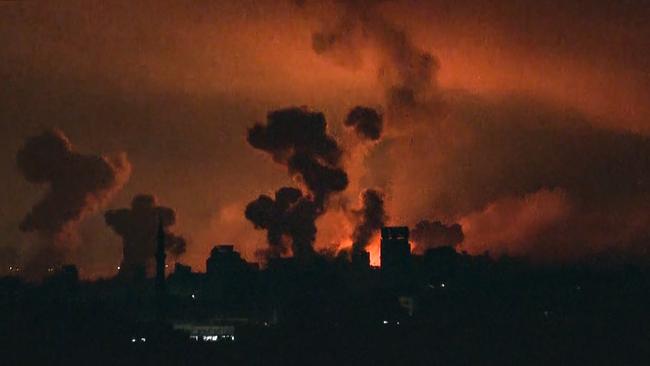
{"points": [[395, 248]]}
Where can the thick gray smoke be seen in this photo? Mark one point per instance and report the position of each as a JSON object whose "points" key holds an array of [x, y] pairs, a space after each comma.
{"points": [[77, 185], [138, 227]]}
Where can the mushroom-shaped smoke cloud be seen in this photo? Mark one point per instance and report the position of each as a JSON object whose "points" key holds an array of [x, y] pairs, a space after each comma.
{"points": [[77, 186], [138, 227]]}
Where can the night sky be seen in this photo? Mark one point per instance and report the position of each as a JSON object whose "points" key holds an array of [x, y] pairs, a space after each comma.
{"points": [[526, 123]]}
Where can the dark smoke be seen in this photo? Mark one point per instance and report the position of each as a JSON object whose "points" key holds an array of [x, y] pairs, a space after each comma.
{"points": [[298, 139], [77, 186], [290, 216], [138, 227], [407, 72], [372, 218], [433, 234], [367, 122], [523, 178]]}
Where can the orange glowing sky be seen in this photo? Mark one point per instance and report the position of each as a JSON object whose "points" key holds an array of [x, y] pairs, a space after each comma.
{"points": [[175, 85]]}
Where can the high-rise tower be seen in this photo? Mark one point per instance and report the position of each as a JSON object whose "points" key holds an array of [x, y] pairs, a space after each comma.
{"points": [[395, 249]]}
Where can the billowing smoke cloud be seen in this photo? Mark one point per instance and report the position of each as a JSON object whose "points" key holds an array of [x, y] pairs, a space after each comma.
{"points": [[298, 139], [371, 219], [490, 164], [408, 73], [367, 122], [290, 222], [528, 179], [432, 234], [78, 185], [138, 226], [536, 223]]}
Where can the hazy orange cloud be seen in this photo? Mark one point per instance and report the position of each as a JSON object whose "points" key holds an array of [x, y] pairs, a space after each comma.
{"points": [[176, 86]]}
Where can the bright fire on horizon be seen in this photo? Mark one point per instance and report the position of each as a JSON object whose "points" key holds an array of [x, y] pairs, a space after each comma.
{"points": [[374, 248]]}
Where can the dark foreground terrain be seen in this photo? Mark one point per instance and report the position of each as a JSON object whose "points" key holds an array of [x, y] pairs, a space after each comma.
{"points": [[462, 314]]}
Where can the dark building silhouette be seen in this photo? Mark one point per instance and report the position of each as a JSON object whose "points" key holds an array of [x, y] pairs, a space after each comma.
{"points": [[224, 259], [65, 278], [361, 259], [230, 283], [182, 270], [328, 304], [395, 248]]}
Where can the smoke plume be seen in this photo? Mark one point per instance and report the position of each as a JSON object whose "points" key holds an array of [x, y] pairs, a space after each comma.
{"points": [[138, 227], [408, 73], [298, 139], [522, 177], [77, 185], [289, 220], [367, 122], [371, 219], [433, 234]]}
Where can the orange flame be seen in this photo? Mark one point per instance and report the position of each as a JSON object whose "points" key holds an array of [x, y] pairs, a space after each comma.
{"points": [[373, 248]]}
